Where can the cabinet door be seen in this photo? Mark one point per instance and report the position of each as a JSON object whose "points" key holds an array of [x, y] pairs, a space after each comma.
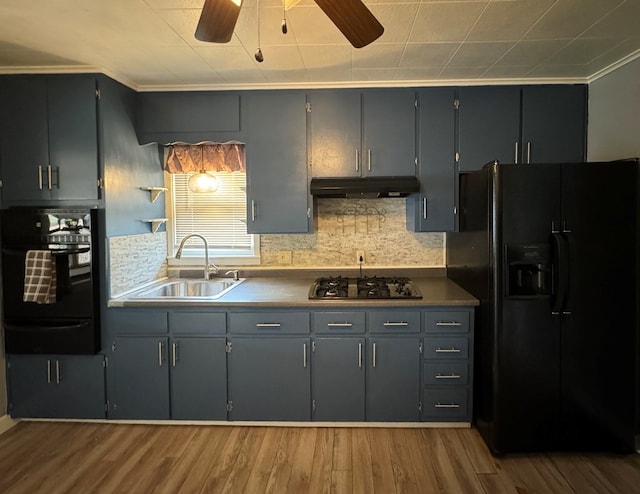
{"points": [[29, 381], [57, 386], [335, 130], [489, 125], [338, 379], [389, 129], [393, 379], [269, 378], [276, 146], [553, 124], [73, 137], [198, 379], [24, 146], [141, 374], [433, 209]]}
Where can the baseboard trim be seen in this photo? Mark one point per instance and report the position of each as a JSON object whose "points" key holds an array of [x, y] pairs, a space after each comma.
{"points": [[6, 423], [390, 425]]}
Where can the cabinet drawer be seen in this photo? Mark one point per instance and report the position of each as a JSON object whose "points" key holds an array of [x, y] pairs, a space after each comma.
{"points": [[269, 322], [198, 322], [445, 404], [450, 321], [134, 321], [445, 373], [338, 322], [393, 321], [446, 348]]}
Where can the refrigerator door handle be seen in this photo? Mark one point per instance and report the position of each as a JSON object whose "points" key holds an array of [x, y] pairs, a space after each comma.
{"points": [[560, 273]]}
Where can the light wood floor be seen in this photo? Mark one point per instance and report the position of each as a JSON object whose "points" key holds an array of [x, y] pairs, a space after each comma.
{"points": [[47, 457]]}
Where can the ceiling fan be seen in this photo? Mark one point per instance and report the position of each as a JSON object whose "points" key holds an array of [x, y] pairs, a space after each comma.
{"points": [[351, 17]]}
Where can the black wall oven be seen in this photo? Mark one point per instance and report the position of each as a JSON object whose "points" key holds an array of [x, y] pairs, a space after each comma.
{"points": [[70, 323]]}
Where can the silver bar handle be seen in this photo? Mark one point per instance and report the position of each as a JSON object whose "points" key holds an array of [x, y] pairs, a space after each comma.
{"points": [[515, 159], [174, 351], [528, 152], [40, 177], [49, 180], [48, 371], [399, 323], [160, 354], [448, 323], [253, 210], [369, 159], [450, 376], [450, 405], [373, 357], [304, 355], [447, 350], [424, 207], [57, 372], [357, 160], [268, 325], [339, 324], [360, 355]]}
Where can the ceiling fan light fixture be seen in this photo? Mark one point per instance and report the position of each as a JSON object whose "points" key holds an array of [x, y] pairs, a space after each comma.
{"points": [[202, 182]]}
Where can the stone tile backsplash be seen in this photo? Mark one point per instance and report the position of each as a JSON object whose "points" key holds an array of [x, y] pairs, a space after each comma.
{"points": [[344, 226], [136, 260]]}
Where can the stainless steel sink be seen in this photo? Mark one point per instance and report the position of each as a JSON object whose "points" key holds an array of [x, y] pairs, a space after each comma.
{"points": [[190, 289]]}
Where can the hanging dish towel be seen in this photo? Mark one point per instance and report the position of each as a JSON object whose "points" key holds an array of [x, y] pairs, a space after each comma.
{"points": [[39, 277]]}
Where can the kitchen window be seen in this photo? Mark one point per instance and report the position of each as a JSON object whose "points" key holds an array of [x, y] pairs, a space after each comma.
{"points": [[219, 216]]}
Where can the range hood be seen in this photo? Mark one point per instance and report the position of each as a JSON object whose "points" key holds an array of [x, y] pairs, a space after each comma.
{"points": [[365, 187]]}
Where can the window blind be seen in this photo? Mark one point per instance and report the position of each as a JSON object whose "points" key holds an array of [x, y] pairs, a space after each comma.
{"points": [[219, 216]]}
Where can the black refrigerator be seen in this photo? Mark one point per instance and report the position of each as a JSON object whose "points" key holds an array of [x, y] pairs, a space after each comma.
{"points": [[552, 253]]}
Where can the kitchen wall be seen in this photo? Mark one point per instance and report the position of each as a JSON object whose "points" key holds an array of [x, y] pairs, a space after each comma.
{"points": [[614, 110]]}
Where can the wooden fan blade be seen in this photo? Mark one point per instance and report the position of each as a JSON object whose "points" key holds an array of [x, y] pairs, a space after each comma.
{"points": [[353, 19], [218, 20]]}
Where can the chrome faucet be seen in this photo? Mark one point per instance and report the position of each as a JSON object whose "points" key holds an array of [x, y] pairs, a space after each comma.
{"points": [[208, 267]]}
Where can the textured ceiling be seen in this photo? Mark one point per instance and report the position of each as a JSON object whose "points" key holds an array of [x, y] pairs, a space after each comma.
{"points": [[149, 44]]}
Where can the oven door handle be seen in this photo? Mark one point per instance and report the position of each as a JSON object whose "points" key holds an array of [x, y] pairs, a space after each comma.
{"points": [[65, 327], [54, 252]]}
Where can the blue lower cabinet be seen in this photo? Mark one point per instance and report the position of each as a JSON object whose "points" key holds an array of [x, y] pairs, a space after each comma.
{"points": [[393, 379], [269, 378], [198, 378], [140, 372], [56, 386], [338, 379]]}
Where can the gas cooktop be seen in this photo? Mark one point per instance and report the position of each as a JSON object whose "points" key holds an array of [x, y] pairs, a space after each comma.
{"points": [[373, 287]]}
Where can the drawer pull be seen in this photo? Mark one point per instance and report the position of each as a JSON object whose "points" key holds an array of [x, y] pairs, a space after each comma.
{"points": [[448, 350], [448, 323], [339, 324], [448, 376], [447, 405], [268, 325], [389, 323]]}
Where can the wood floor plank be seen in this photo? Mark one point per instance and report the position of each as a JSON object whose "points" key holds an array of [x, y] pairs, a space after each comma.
{"points": [[259, 476], [381, 465], [622, 471], [477, 451], [223, 461], [582, 475], [362, 470], [460, 462], [322, 462], [342, 444], [435, 454], [535, 473], [283, 462], [402, 463], [246, 459], [341, 482], [300, 479]]}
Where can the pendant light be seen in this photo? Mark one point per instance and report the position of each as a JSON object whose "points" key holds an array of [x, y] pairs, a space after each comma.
{"points": [[202, 181]]}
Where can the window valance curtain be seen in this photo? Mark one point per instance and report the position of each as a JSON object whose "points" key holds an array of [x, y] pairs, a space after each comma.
{"points": [[211, 157]]}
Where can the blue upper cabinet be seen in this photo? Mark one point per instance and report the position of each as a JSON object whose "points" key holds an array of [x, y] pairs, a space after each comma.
{"points": [[432, 210], [489, 125], [49, 138], [276, 146], [188, 116], [554, 124], [528, 124], [359, 134]]}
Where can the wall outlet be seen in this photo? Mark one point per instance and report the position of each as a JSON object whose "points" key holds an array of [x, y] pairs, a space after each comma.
{"points": [[360, 257], [285, 257]]}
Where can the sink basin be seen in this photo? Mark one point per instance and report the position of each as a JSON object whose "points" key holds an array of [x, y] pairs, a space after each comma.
{"points": [[190, 289]]}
